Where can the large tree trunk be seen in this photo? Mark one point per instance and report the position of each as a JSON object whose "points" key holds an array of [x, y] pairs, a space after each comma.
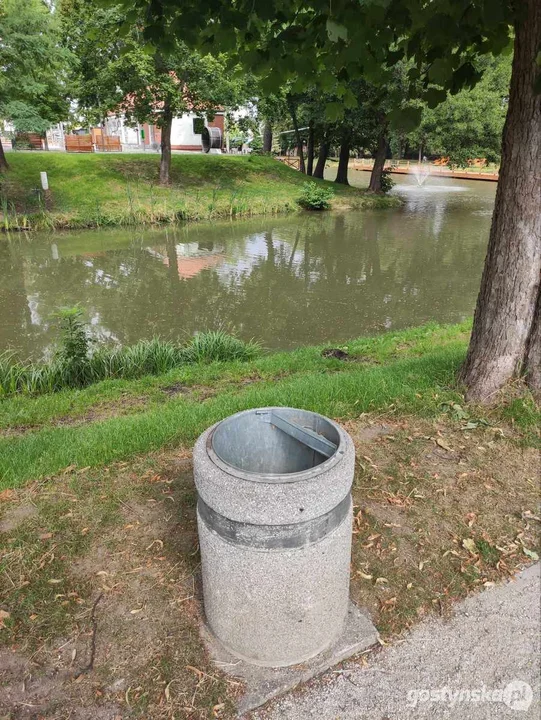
{"points": [[3, 162], [322, 159], [267, 137], [343, 159], [379, 162], [165, 159], [505, 337], [298, 138], [310, 150]]}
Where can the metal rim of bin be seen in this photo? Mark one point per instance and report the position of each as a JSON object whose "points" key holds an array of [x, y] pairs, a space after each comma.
{"points": [[258, 477]]}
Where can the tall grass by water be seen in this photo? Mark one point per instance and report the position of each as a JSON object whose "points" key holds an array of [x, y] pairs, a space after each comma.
{"points": [[74, 365]]}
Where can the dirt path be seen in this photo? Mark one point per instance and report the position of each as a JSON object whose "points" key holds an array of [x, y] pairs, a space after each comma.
{"points": [[491, 645]]}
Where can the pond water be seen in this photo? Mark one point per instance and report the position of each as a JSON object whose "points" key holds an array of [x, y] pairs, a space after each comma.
{"points": [[287, 281]]}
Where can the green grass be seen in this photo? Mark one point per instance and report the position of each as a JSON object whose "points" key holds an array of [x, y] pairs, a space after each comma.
{"points": [[412, 371], [108, 190], [127, 396]]}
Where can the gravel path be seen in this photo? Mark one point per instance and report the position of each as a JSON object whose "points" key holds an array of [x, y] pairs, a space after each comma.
{"points": [[482, 663]]}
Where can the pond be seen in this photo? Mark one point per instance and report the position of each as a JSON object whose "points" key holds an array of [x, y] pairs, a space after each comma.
{"points": [[287, 281]]}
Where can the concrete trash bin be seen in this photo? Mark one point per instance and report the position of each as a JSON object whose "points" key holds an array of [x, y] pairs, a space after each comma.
{"points": [[274, 517]]}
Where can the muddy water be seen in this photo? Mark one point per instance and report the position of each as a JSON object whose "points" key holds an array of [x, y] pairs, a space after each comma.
{"points": [[288, 281]]}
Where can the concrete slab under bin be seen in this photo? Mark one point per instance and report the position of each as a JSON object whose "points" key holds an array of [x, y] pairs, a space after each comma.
{"points": [[265, 683]]}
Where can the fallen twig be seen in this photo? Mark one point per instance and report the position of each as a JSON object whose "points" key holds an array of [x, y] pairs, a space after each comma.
{"points": [[90, 666]]}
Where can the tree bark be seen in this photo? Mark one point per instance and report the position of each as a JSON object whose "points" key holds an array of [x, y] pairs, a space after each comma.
{"points": [[310, 149], [298, 138], [267, 137], [165, 158], [379, 162], [4, 165], [343, 160], [506, 337], [533, 352], [322, 159]]}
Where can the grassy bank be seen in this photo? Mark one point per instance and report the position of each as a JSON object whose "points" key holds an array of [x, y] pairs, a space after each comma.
{"points": [[107, 190], [409, 371]]}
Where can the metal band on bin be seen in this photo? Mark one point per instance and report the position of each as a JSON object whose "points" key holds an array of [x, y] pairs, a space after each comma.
{"points": [[273, 537]]}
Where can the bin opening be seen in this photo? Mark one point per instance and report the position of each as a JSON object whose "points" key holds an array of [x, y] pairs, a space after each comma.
{"points": [[275, 441]]}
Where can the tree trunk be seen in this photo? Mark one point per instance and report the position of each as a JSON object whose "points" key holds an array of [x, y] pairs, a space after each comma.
{"points": [[379, 162], [343, 160], [3, 162], [298, 138], [267, 137], [533, 352], [165, 158], [322, 159], [506, 336], [310, 150]]}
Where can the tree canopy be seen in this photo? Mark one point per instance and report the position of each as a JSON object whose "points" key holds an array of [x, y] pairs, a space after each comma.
{"points": [[469, 124], [118, 71], [34, 92]]}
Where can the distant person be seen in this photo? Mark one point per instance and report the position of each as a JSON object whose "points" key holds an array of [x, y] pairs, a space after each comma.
{"points": [[425, 159]]}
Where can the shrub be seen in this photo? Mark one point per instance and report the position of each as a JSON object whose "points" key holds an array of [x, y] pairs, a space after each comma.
{"points": [[315, 197], [72, 355], [387, 183]]}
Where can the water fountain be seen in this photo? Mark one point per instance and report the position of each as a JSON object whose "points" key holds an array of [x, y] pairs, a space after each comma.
{"points": [[421, 172]]}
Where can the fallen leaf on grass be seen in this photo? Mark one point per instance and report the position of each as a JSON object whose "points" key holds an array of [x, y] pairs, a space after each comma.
{"points": [[364, 575], [54, 581], [528, 515], [530, 553], [155, 542], [4, 615], [7, 495], [443, 445], [469, 544], [381, 581], [46, 536]]}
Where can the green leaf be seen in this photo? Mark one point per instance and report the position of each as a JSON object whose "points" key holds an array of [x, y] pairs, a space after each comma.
{"points": [[440, 71], [406, 119], [435, 96], [334, 110], [335, 31]]}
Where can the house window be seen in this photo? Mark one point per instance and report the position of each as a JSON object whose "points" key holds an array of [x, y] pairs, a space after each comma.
{"points": [[198, 125]]}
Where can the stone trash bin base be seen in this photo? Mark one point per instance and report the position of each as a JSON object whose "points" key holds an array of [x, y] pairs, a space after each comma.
{"points": [[275, 524]]}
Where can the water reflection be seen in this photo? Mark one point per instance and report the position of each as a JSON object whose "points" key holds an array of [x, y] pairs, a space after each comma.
{"points": [[287, 281]]}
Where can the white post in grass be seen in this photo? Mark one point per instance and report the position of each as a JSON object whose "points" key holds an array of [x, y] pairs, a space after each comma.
{"points": [[44, 180]]}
